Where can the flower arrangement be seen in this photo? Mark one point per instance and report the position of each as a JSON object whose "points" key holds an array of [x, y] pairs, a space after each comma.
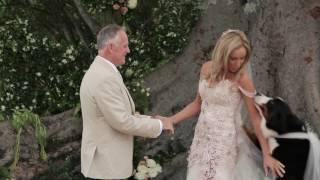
{"points": [[123, 5], [147, 168]]}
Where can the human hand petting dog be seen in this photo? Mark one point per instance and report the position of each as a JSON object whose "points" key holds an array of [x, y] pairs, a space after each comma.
{"points": [[167, 123], [275, 166]]}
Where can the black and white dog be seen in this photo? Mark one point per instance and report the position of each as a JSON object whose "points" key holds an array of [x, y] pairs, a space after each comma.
{"points": [[280, 126]]}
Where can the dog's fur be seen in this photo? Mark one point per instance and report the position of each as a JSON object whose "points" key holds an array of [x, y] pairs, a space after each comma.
{"points": [[277, 120]]}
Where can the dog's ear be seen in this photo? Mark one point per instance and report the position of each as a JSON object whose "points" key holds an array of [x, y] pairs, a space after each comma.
{"points": [[296, 123], [277, 121]]}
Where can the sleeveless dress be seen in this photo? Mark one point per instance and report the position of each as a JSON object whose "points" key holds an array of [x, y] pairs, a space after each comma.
{"points": [[220, 149]]}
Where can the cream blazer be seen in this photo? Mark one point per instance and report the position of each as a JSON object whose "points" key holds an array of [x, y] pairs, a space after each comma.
{"points": [[109, 124]]}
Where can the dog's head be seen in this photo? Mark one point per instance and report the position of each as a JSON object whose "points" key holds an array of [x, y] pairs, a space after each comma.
{"points": [[277, 116]]}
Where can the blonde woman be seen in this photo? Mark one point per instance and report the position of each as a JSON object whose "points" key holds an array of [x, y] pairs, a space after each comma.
{"points": [[220, 149]]}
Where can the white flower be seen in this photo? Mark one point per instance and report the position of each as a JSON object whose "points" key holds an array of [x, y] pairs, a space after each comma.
{"points": [[64, 61], [135, 63], [14, 49], [44, 40], [158, 168], [132, 4], [151, 163], [34, 100], [38, 74], [171, 34], [26, 83], [152, 173], [1, 60], [142, 169], [128, 72], [140, 176], [28, 37], [3, 108], [69, 50], [32, 40], [72, 58], [47, 93]]}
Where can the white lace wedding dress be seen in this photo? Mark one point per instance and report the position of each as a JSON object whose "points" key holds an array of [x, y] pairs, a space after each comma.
{"points": [[220, 149]]}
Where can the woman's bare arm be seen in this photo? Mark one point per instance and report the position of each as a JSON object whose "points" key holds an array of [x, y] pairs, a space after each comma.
{"points": [[275, 166]]}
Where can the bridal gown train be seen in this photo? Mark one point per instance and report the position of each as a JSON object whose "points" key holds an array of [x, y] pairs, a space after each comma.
{"points": [[221, 149]]}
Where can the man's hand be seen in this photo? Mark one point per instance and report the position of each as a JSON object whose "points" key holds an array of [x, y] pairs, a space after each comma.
{"points": [[167, 123], [276, 167]]}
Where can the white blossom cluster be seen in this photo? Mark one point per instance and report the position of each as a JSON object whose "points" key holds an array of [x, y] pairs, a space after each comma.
{"points": [[38, 72], [147, 168]]}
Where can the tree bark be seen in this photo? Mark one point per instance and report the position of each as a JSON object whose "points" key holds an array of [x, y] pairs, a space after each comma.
{"points": [[64, 135], [285, 59]]}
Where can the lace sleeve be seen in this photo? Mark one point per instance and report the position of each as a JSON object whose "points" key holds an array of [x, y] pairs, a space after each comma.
{"points": [[247, 93]]}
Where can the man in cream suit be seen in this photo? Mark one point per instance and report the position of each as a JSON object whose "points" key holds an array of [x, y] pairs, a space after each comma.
{"points": [[109, 123]]}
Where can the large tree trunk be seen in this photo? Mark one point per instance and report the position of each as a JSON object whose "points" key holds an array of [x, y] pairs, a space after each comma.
{"points": [[285, 62], [286, 47]]}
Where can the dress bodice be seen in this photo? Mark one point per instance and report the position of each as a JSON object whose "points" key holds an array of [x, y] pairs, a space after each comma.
{"points": [[223, 98]]}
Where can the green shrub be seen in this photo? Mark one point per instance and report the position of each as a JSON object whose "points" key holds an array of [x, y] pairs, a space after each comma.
{"points": [[43, 73]]}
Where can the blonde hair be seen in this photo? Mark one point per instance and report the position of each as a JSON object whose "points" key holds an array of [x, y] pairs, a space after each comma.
{"points": [[228, 41]]}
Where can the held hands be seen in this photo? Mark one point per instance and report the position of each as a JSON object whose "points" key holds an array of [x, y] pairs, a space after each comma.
{"points": [[167, 123], [275, 166]]}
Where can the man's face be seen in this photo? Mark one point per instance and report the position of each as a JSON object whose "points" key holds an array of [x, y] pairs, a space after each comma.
{"points": [[120, 48]]}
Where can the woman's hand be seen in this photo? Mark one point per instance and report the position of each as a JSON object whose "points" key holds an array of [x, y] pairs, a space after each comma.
{"points": [[275, 166], [168, 124]]}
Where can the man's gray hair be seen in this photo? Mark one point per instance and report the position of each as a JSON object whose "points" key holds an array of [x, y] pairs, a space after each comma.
{"points": [[107, 34]]}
